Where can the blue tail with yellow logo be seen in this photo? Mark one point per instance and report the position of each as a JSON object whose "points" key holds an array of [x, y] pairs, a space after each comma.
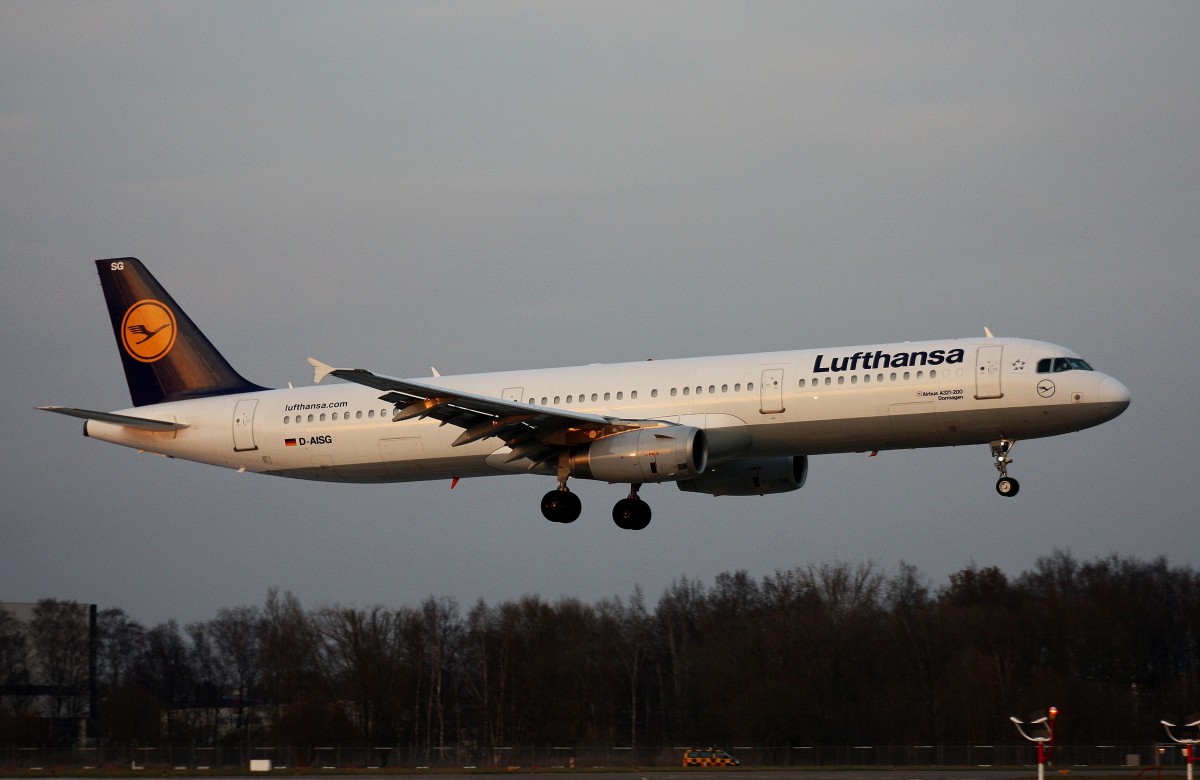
{"points": [[165, 355]]}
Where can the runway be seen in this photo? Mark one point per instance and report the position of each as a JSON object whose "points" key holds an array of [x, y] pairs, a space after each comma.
{"points": [[983, 773]]}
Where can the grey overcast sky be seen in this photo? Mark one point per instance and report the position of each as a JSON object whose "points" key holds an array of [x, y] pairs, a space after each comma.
{"points": [[486, 185]]}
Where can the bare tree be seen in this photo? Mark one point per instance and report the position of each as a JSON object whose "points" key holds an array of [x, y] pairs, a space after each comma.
{"points": [[236, 634], [59, 635], [14, 665], [364, 651]]}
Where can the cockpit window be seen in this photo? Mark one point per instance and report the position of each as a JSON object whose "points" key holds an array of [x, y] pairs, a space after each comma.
{"points": [[1055, 365]]}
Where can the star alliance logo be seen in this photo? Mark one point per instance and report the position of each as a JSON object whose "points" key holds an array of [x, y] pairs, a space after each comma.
{"points": [[1018, 365]]}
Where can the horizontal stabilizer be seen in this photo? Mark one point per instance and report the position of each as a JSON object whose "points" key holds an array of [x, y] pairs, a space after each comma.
{"points": [[117, 419]]}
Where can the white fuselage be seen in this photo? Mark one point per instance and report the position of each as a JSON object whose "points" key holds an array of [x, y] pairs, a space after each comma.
{"points": [[806, 402]]}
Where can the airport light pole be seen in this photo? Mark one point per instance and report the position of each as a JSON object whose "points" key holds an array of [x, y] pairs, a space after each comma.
{"points": [[1042, 739], [1189, 743]]}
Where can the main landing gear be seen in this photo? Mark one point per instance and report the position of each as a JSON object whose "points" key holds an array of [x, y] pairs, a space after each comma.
{"points": [[562, 506], [632, 514], [1006, 485]]}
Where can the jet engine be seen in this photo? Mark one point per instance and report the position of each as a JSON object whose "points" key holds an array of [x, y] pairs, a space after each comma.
{"points": [[751, 477], [646, 455]]}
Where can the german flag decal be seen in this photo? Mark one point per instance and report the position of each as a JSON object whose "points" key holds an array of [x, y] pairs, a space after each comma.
{"points": [[289, 442]]}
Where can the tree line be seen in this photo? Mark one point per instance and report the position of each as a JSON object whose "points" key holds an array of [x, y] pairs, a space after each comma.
{"points": [[833, 653]]}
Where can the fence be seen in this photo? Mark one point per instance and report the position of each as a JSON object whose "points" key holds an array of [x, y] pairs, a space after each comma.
{"points": [[195, 757]]}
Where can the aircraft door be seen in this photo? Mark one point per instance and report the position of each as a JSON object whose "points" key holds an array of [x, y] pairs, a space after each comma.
{"points": [[771, 391], [513, 394], [987, 372], [243, 425]]}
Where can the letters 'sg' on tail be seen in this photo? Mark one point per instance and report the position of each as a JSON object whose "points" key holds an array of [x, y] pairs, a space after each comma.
{"points": [[165, 355]]}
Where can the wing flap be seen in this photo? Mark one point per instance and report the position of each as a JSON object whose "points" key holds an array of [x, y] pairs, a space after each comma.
{"points": [[443, 403], [535, 432]]}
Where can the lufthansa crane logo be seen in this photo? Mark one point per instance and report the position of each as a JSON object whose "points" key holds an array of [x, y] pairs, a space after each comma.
{"points": [[148, 330]]}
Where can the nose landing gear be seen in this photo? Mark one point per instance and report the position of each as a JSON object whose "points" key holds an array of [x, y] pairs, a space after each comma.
{"points": [[1006, 485]]}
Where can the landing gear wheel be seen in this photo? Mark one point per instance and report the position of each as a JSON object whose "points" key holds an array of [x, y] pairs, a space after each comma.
{"points": [[561, 506], [1002, 459], [632, 514]]}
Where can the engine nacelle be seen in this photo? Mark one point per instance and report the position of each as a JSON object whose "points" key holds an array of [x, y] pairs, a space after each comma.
{"points": [[751, 477], [645, 455]]}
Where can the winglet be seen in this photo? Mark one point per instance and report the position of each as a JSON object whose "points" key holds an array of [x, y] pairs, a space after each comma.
{"points": [[320, 370], [988, 332]]}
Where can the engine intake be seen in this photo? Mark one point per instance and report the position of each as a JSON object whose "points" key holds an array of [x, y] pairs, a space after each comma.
{"points": [[751, 477], [646, 455]]}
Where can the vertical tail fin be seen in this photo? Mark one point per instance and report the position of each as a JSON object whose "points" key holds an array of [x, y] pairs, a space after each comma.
{"points": [[165, 355]]}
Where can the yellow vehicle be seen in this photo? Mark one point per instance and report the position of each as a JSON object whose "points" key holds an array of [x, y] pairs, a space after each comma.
{"points": [[708, 757]]}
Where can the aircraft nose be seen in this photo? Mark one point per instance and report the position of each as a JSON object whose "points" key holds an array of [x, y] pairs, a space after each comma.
{"points": [[1113, 392]]}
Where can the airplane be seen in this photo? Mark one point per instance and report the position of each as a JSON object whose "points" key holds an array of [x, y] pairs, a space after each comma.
{"points": [[735, 425]]}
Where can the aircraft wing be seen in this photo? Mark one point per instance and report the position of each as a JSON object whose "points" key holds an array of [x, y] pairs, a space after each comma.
{"points": [[534, 432]]}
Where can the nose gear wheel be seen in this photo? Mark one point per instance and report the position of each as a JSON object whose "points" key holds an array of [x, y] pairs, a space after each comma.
{"points": [[1006, 485]]}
